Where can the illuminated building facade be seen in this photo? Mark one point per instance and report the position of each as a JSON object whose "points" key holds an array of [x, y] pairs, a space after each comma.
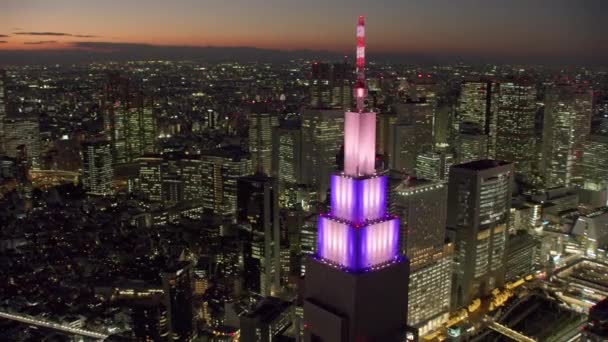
{"points": [[515, 141], [23, 131], [356, 283], [129, 120], [567, 123], [97, 171], [261, 126], [476, 108], [479, 203], [330, 86], [221, 168], [289, 163], [434, 166], [177, 287], [471, 146], [322, 132], [3, 106], [421, 207], [257, 201]]}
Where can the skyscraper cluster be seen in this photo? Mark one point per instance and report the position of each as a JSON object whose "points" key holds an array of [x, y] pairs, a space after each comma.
{"points": [[304, 200]]}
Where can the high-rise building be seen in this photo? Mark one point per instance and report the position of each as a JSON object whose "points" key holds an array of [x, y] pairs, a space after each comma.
{"points": [[23, 131], [150, 320], [261, 129], [422, 208], [515, 138], [596, 329], [520, 255], [477, 105], [177, 287], [434, 166], [403, 149], [258, 209], [593, 170], [192, 178], [221, 168], [413, 133], [289, 161], [320, 88], [97, 171], [341, 85], [150, 178], [479, 202], [3, 105], [330, 86], [566, 126], [129, 120], [356, 285], [171, 178], [322, 132], [269, 319], [471, 146]]}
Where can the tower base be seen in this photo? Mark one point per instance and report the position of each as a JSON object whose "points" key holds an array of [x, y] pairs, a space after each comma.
{"points": [[341, 306]]}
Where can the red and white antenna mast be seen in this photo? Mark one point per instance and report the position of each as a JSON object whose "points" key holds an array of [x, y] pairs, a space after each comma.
{"points": [[360, 88]]}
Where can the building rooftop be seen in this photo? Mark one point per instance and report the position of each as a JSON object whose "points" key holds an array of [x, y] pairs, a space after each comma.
{"points": [[479, 165]]}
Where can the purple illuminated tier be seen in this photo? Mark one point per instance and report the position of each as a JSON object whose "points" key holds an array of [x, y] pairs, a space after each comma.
{"points": [[358, 247], [358, 199]]}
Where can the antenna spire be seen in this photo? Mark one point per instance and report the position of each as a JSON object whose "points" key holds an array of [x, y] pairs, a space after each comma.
{"points": [[360, 88]]}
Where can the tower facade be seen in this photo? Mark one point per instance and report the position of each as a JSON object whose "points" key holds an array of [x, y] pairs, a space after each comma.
{"points": [[356, 284], [97, 171]]}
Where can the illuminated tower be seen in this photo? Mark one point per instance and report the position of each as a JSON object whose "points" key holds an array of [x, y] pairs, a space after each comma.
{"points": [[356, 284]]}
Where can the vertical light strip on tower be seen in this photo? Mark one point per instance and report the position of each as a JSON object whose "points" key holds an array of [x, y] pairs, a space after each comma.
{"points": [[358, 234]]}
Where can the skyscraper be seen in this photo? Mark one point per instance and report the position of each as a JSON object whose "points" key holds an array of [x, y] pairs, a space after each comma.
{"points": [[566, 126], [261, 127], [150, 178], [515, 140], [258, 208], [177, 287], [471, 146], [479, 202], [434, 166], [477, 105], [593, 165], [3, 106], [422, 208], [322, 132], [23, 131], [129, 120], [289, 160], [150, 320], [330, 85], [97, 171], [356, 283], [221, 168]]}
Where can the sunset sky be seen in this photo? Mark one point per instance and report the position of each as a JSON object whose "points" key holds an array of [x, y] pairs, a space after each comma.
{"points": [[487, 28]]}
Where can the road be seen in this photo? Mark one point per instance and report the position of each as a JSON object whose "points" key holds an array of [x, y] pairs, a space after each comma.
{"points": [[51, 325]]}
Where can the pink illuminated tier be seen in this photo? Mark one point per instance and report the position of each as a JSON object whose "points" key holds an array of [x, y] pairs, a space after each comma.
{"points": [[359, 143]]}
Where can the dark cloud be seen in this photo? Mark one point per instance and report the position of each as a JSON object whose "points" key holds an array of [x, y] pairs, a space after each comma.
{"points": [[40, 42], [4, 35], [43, 34], [3, 41], [56, 34]]}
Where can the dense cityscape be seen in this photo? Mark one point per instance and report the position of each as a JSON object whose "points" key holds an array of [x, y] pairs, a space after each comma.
{"points": [[309, 199]]}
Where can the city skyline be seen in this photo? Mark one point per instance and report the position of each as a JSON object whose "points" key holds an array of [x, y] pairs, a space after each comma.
{"points": [[432, 30]]}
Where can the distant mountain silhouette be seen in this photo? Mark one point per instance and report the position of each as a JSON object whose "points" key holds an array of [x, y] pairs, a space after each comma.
{"points": [[85, 52]]}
